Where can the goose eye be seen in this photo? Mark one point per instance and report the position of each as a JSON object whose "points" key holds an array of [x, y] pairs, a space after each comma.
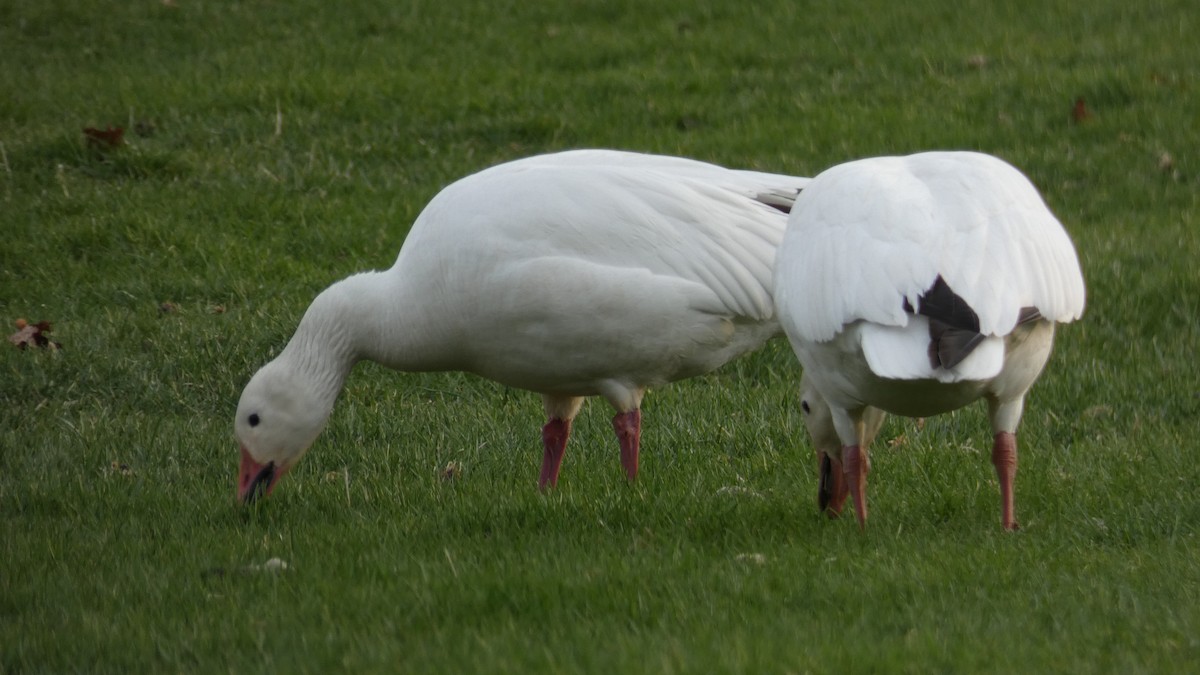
{"points": [[253, 419], [803, 406]]}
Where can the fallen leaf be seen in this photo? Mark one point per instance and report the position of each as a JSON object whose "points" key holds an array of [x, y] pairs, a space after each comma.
{"points": [[272, 565], [452, 471], [121, 468], [168, 308], [216, 309], [112, 137], [33, 334], [1080, 112], [1166, 162], [897, 441], [977, 61]]}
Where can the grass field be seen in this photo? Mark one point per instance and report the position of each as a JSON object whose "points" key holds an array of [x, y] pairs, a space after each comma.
{"points": [[275, 147]]}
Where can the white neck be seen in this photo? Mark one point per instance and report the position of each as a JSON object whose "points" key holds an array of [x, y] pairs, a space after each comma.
{"points": [[369, 316]]}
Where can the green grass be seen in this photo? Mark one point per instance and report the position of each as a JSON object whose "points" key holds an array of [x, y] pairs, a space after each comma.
{"points": [[284, 145]]}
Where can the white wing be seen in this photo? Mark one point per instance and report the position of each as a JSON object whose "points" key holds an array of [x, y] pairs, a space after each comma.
{"points": [[670, 217], [868, 235]]}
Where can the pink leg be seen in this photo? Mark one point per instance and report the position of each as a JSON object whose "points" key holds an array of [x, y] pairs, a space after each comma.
{"points": [[554, 440], [855, 466], [1004, 457], [628, 426], [831, 488]]}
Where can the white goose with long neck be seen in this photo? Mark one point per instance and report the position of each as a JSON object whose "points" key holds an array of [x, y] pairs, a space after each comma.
{"points": [[574, 274]]}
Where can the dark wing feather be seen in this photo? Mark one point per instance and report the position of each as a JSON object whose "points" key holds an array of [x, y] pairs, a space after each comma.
{"points": [[953, 325]]}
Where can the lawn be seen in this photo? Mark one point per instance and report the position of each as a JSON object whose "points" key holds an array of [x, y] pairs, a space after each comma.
{"points": [[272, 148]]}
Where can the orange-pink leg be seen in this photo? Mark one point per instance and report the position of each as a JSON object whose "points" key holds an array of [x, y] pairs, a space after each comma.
{"points": [[628, 426], [554, 440], [1004, 457], [855, 466], [831, 486]]}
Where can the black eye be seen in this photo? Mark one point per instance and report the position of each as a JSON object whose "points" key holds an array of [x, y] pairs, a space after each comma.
{"points": [[803, 406], [253, 419]]}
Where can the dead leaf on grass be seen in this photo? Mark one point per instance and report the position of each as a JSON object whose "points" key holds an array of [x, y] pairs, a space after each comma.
{"points": [[33, 334], [1079, 112], [452, 471], [112, 137], [119, 468], [272, 565]]}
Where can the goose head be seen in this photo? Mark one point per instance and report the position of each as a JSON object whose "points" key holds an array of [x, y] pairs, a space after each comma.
{"points": [[278, 418], [818, 419]]}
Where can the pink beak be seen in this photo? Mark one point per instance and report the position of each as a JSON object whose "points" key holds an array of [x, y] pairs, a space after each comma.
{"points": [[254, 479]]}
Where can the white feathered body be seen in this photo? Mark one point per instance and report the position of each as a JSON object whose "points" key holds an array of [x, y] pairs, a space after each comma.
{"points": [[587, 272], [868, 238]]}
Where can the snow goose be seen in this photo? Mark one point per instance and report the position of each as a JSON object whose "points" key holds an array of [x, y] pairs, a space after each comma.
{"points": [[916, 285], [583, 273]]}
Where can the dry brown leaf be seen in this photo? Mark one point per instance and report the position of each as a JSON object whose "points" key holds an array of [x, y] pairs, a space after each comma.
{"points": [[120, 468], [112, 137], [1079, 111], [33, 334]]}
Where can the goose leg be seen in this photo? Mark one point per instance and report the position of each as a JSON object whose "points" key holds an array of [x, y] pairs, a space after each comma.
{"points": [[628, 426], [1004, 457], [855, 465], [554, 441], [560, 410]]}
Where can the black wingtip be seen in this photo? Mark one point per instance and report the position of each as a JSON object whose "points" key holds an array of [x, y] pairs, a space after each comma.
{"points": [[949, 346], [953, 325]]}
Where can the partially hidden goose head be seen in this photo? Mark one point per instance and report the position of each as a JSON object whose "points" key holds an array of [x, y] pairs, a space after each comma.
{"points": [[832, 489]]}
